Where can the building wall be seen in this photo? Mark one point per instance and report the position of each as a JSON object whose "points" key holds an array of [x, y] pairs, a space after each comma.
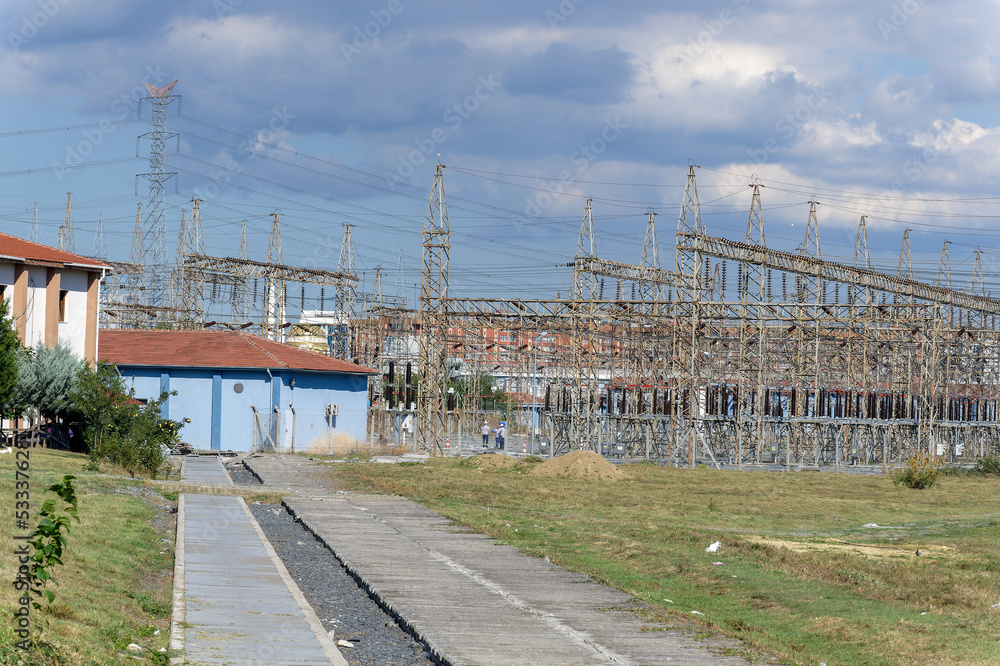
{"points": [[73, 329], [34, 309], [223, 419], [310, 395], [33, 292]]}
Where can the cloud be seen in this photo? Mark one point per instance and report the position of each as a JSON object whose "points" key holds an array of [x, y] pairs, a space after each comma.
{"points": [[566, 72]]}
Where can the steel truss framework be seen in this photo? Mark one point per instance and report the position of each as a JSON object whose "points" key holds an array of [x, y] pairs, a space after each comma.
{"points": [[740, 354], [841, 364]]}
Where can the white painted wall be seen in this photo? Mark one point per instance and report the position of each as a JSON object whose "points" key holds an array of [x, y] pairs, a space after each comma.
{"points": [[35, 324], [73, 331]]}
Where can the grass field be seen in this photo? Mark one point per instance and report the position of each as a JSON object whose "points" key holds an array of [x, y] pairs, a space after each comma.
{"points": [[800, 579], [116, 583]]}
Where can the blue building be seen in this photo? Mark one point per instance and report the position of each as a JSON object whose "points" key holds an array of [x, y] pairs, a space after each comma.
{"points": [[239, 390]]}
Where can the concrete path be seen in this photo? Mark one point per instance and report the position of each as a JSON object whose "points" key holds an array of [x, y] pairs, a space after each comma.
{"points": [[234, 602], [207, 470], [470, 600]]}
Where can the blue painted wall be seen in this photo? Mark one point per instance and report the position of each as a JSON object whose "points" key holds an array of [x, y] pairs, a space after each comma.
{"points": [[223, 419]]}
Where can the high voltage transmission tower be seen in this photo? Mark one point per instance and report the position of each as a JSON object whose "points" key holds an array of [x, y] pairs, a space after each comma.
{"points": [[100, 245], [65, 240], [346, 298], [35, 235], [432, 399], [274, 289], [154, 231]]}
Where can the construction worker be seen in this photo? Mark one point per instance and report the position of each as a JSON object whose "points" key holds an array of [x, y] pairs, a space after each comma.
{"points": [[486, 433]]}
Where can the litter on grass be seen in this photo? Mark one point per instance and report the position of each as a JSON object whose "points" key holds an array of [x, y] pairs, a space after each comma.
{"points": [[716, 564], [697, 613], [714, 547]]}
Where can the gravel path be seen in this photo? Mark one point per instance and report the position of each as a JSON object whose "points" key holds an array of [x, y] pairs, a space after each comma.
{"points": [[340, 604]]}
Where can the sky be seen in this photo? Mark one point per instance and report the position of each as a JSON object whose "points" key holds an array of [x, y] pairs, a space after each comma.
{"points": [[337, 113]]}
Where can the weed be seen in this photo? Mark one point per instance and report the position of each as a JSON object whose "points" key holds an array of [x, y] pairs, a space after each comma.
{"points": [[47, 540], [152, 606], [921, 471]]}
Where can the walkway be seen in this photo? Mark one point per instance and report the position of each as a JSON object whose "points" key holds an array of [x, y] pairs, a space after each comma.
{"points": [[470, 600], [234, 602]]}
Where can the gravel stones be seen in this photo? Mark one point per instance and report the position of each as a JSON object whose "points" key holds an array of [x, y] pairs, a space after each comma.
{"points": [[341, 605]]}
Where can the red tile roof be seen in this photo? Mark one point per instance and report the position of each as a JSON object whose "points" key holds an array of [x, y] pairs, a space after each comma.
{"points": [[212, 349], [17, 249]]}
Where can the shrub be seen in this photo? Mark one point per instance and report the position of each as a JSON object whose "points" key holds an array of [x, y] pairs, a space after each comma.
{"points": [[118, 428], [989, 466], [921, 471]]}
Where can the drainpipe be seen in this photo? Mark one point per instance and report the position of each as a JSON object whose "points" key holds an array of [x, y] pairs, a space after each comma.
{"points": [[293, 426]]}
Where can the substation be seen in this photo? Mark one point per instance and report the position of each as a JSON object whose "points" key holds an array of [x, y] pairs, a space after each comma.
{"points": [[740, 355], [737, 354]]}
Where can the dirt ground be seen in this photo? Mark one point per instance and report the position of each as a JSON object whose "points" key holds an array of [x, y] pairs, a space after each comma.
{"points": [[492, 461], [902, 550], [580, 465]]}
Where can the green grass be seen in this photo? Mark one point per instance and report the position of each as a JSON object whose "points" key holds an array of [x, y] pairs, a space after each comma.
{"points": [[115, 586], [801, 578]]}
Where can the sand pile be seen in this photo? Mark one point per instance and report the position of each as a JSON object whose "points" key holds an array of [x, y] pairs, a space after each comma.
{"points": [[580, 465], [492, 461]]}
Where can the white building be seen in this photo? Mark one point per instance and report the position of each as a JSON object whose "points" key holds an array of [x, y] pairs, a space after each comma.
{"points": [[52, 295]]}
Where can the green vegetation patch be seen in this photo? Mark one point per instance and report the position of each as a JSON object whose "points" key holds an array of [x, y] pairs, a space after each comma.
{"points": [[115, 585]]}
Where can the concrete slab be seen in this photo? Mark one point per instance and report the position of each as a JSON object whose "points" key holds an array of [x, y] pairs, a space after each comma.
{"points": [[470, 600], [234, 602], [206, 470]]}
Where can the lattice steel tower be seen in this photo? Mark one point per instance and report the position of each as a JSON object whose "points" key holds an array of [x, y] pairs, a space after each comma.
{"points": [[154, 234], [431, 426]]}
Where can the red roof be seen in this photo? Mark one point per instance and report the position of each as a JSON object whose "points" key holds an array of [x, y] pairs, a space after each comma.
{"points": [[212, 349], [19, 250]]}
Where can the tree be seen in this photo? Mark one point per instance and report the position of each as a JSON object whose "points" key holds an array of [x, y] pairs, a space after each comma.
{"points": [[481, 387], [45, 377], [9, 346], [100, 397]]}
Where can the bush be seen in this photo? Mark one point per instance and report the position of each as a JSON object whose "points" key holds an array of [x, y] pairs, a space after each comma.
{"points": [[921, 471], [989, 466], [118, 428]]}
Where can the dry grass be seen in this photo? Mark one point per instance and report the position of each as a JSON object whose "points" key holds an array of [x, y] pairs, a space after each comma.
{"points": [[801, 577], [338, 444], [250, 493]]}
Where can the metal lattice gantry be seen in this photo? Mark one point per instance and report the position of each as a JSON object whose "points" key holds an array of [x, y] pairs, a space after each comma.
{"points": [[800, 361]]}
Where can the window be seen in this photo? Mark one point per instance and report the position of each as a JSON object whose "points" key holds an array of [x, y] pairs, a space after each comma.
{"points": [[62, 304]]}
